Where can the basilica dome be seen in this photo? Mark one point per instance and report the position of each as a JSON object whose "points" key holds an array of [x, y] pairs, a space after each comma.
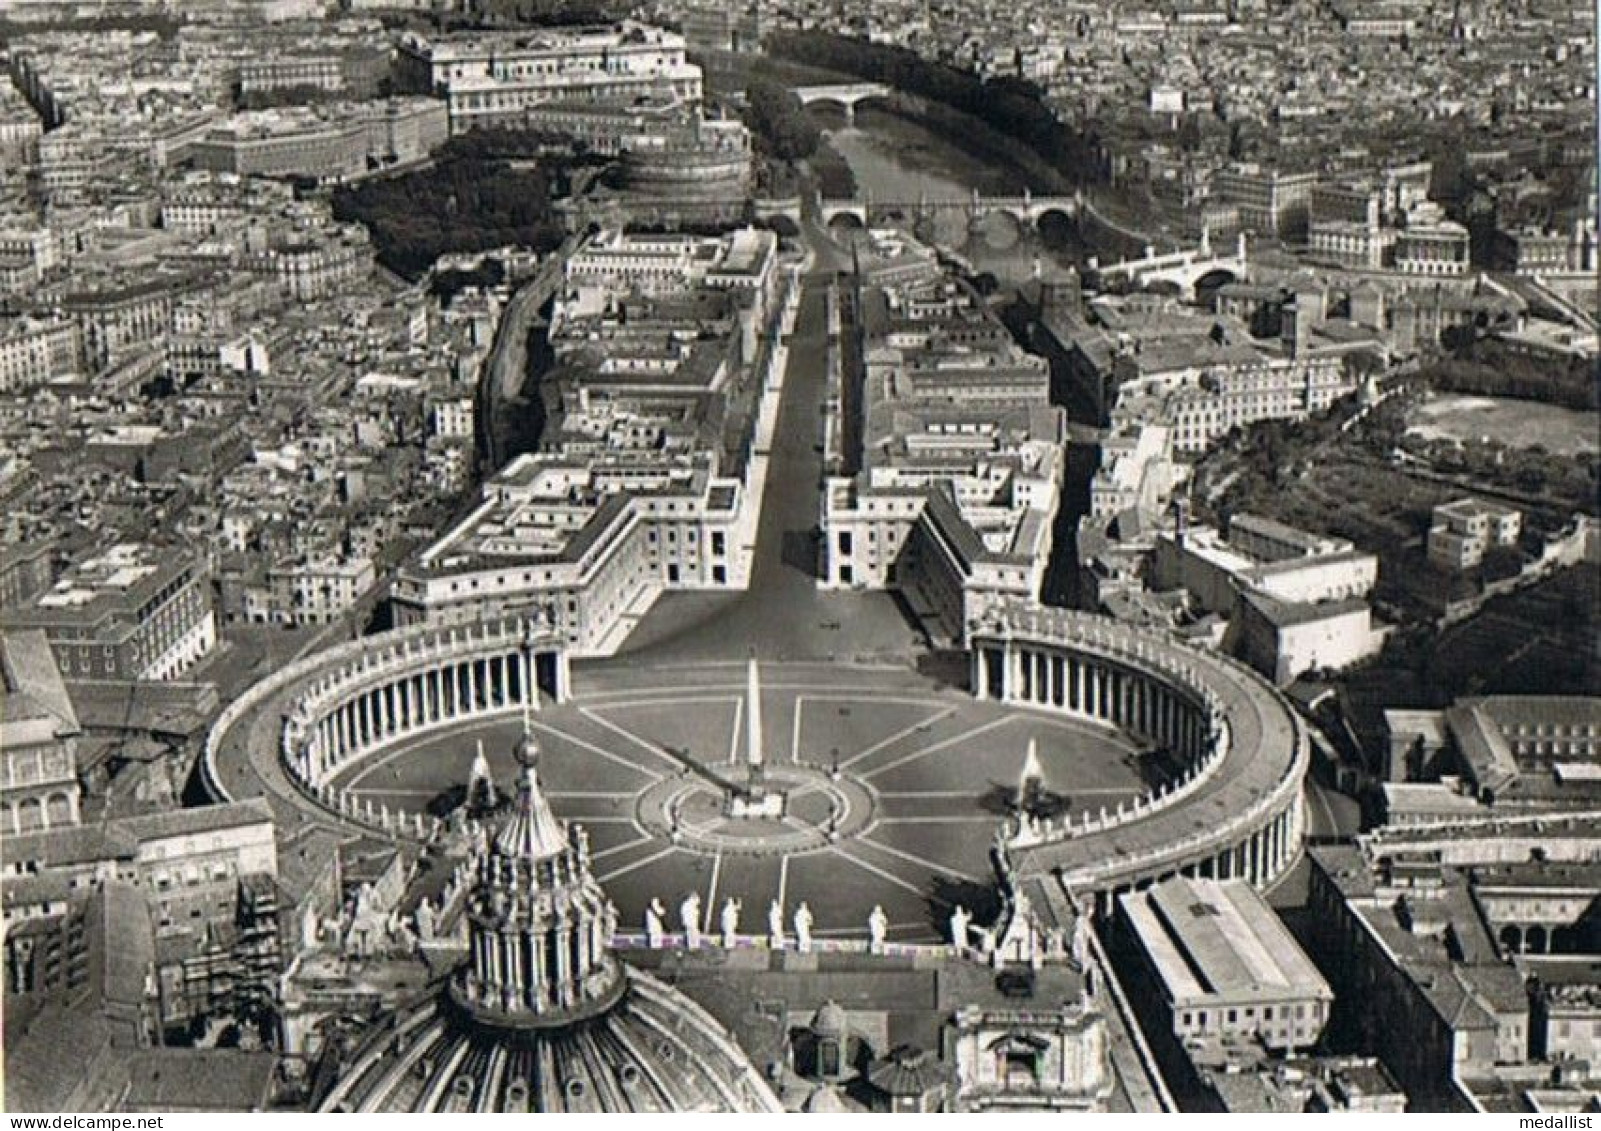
{"points": [[542, 1016]]}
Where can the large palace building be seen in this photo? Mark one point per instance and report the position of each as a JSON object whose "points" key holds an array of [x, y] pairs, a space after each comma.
{"points": [[495, 78], [652, 460]]}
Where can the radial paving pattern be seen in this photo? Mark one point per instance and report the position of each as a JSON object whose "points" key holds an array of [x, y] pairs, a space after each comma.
{"points": [[894, 786]]}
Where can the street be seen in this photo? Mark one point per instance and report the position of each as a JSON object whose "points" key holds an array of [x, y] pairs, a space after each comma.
{"points": [[783, 615]]}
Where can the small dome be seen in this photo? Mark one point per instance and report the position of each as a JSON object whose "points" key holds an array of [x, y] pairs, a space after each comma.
{"points": [[907, 1071], [830, 1020], [824, 1101]]}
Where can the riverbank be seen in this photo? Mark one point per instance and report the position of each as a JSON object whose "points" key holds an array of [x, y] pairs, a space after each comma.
{"points": [[978, 146], [906, 140], [913, 154]]}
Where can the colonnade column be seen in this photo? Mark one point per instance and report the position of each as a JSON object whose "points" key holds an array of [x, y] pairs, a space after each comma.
{"points": [[561, 975], [563, 676], [539, 976]]}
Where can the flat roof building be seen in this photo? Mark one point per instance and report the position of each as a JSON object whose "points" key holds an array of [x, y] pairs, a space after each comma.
{"points": [[495, 77], [1464, 530], [135, 612], [1223, 965]]}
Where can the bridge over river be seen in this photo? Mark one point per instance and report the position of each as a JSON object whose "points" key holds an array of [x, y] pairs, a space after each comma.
{"points": [[953, 221]]}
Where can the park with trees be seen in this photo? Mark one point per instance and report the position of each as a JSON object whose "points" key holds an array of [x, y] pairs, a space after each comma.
{"points": [[474, 197]]}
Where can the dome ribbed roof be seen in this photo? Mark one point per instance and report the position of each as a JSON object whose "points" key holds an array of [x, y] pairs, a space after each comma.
{"points": [[533, 833], [654, 1050], [830, 1020], [907, 1071]]}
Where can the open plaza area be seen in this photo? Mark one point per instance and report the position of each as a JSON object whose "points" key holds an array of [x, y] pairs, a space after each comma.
{"points": [[836, 556], [926, 775]]}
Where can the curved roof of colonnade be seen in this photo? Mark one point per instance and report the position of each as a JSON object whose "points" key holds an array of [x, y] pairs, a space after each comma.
{"points": [[1266, 756], [241, 760], [242, 757]]}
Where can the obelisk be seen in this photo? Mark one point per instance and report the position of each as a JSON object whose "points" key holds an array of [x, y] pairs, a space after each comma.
{"points": [[753, 722], [753, 797]]}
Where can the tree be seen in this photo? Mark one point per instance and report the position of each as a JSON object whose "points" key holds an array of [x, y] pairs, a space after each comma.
{"points": [[1236, 140], [460, 204], [777, 118], [1189, 134]]}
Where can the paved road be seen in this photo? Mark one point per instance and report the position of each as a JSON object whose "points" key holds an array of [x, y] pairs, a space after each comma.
{"points": [[507, 369], [783, 615]]}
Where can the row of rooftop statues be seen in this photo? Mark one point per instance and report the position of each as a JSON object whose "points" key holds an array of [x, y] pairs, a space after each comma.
{"points": [[690, 918]]}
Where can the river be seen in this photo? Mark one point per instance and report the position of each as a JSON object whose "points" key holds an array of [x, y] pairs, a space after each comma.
{"points": [[894, 158], [903, 161]]}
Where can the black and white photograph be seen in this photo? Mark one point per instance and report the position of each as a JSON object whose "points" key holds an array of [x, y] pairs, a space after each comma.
{"points": [[799, 556]]}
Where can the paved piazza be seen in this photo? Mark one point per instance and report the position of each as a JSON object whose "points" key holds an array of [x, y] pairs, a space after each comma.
{"points": [[639, 754]]}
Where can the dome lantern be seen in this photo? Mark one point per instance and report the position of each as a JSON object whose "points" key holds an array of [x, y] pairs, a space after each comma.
{"points": [[541, 977]]}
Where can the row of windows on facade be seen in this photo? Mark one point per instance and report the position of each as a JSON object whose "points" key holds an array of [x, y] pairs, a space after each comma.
{"points": [[47, 763], [847, 541], [719, 573], [159, 627], [1200, 1018], [598, 65], [500, 101], [192, 876]]}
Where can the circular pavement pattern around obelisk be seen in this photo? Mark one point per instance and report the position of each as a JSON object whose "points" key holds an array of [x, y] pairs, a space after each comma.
{"points": [[820, 808]]}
